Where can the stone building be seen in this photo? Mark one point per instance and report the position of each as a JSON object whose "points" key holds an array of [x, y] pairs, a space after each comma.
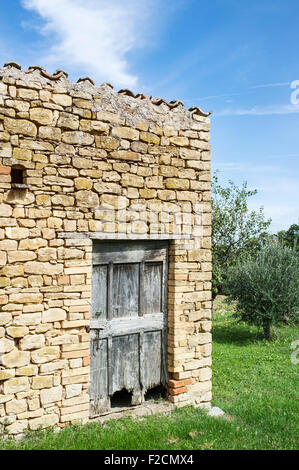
{"points": [[105, 250]]}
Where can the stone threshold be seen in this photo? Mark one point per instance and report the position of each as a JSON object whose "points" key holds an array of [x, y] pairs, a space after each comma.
{"points": [[148, 409]]}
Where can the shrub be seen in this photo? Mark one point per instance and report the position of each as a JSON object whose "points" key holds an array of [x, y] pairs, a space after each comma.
{"points": [[266, 287]]}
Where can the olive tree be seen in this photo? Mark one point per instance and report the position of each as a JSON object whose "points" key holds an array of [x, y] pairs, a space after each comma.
{"points": [[266, 287]]}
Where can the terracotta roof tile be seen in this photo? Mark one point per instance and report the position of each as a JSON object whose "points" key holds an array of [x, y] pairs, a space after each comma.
{"points": [[157, 101], [83, 79]]}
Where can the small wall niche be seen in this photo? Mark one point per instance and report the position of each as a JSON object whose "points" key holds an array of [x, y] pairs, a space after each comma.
{"points": [[18, 178], [19, 187]]}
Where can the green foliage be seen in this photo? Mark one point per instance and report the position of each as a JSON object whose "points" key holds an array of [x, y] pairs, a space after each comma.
{"points": [[290, 237], [236, 230], [266, 287]]}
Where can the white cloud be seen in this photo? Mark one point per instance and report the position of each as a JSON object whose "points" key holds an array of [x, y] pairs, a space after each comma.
{"points": [[270, 85], [94, 36], [260, 110]]}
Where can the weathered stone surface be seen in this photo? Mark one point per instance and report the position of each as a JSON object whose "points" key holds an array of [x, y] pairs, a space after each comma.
{"points": [[17, 427], [6, 374], [15, 385], [19, 256], [126, 133], [54, 366], [17, 331], [7, 345], [149, 138], [63, 200], [28, 319], [3, 258], [5, 211], [77, 138], [8, 245], [86, 199], [51, 133], [20, 126], [41, 115], [5, 317], [62, 99], [16, 359], [52, 395], [83, 183], [4, 282], [17, 233], [53, 315], [47, 254], [73, 390], [36, 267], [58, 181], [68, 121], [26, 298], [126, 155], [107, 143], [22, 154], [132, 180], [32, 244], [46, 354], [177, 183], [42, 381], [43, 422], [16, 406], [32, 342], [27, 371]]}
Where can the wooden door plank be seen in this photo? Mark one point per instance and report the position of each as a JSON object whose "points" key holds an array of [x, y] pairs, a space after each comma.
{"points": [[99, 400], [125, 290], [125, 326], [152, 361], [110, 292], [99, 292], [152, 288], [141, 290], [124, 365]]}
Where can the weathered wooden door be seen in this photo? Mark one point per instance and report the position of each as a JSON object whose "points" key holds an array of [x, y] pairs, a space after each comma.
{"points": [[129, 320]]}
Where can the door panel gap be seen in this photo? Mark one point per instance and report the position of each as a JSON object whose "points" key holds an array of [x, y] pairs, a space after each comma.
{"points": [[121, 399], [155, 393]]}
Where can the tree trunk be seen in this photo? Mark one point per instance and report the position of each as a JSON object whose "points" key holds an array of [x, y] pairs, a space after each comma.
{"points": [[267, 331]]}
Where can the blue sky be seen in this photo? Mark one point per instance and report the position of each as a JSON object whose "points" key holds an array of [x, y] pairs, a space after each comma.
{"points": [[234, 57]]}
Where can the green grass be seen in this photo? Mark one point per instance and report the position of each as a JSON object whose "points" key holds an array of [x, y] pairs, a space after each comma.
{"points": [[254, 382]]}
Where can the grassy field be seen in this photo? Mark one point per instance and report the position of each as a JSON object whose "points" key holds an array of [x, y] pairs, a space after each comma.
{"points": [[254, 382]]}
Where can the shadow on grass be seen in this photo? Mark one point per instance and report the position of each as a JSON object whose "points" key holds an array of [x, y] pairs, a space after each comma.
{"points": [[238, 334], [227, 329]]}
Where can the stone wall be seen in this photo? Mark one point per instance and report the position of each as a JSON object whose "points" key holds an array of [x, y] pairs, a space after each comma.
{"points": [[81, 152]]}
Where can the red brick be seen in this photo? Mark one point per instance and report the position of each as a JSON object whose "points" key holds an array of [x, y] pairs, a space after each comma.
{"points": [[179, 383], [4, 170], [177, 391], [86, 361]]}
